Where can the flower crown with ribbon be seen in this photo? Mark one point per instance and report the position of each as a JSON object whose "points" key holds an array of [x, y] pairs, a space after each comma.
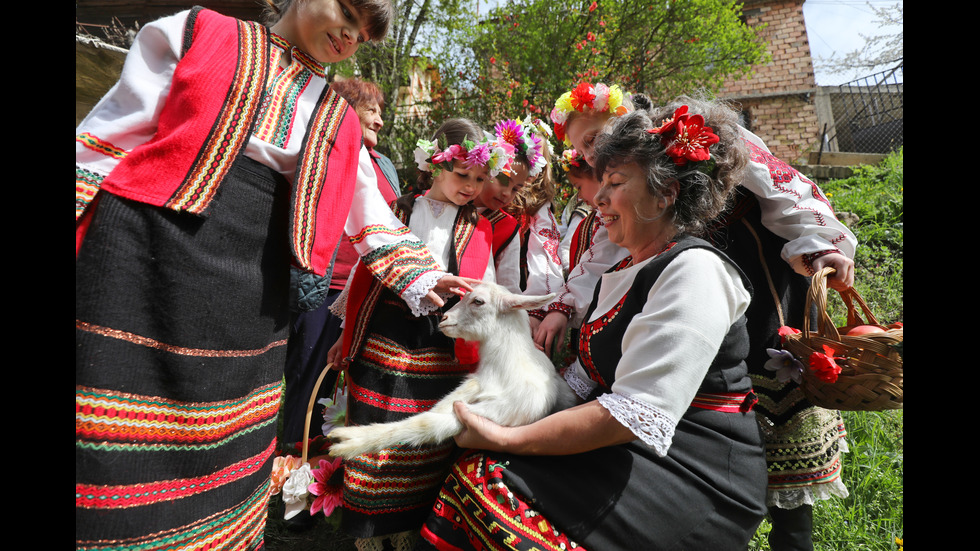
{"points": [[530, 137], [599, 98], [491, 152], [686, 139]]}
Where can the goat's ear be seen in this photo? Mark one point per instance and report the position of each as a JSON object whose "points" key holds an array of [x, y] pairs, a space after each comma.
{"points": [[527, 302]]}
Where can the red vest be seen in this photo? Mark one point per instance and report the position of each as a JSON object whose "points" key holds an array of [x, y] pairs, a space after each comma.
{"points": [[206, 122]]}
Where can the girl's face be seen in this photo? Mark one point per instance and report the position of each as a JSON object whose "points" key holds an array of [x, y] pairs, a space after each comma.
{"points": [[328, 30], [587, 187], [459, 185], [500, 191], [583, 130], [631, 214]]}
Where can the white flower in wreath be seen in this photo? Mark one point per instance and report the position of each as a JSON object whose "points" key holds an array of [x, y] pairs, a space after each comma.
{"points": [[423, 152], [295, 490]]}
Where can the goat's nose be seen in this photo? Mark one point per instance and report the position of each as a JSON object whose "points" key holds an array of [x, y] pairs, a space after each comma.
{"points": [[444, 317]]}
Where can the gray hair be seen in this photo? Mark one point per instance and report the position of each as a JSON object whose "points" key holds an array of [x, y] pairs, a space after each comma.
{"points": [[701, 197]]}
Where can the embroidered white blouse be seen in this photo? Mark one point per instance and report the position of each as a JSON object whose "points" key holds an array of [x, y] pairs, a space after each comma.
{"points": [[544, 268], [668, 347], [127, 117]]}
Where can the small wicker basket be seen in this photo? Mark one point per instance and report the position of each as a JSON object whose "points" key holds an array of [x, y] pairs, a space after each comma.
{"points": [[871, 364]]}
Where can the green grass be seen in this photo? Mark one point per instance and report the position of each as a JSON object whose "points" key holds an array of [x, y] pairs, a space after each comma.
{"points": [[871, 517]]}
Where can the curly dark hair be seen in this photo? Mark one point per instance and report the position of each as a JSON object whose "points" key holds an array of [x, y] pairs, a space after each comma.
{"points": [[702, 197], [378, 13]]}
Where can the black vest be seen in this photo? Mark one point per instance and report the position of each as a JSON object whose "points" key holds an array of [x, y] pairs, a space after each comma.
{"points": [[600, 344]]}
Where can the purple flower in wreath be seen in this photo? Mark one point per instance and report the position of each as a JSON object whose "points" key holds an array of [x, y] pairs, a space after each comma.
{"points": [[785, 364], [478, 155]]}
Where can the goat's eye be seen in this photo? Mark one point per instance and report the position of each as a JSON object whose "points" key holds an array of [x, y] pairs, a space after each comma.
{"points": [[478, 301]]}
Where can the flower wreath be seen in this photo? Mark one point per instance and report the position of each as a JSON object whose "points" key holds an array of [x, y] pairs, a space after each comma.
{"points": [[530, 137], [495, 154], [570, 158], [686, 139], [599, 98]]}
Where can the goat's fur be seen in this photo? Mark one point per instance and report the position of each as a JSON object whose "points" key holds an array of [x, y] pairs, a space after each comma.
{"points": [[514, 383]]}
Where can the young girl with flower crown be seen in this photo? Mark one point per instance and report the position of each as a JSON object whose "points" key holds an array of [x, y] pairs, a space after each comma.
{"points": [[500, 193], [579, 210], [397, 364], [541, 268], [217, 162]]}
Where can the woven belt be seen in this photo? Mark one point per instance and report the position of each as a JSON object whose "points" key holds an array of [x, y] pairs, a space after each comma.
{"points": [[731, 402]]}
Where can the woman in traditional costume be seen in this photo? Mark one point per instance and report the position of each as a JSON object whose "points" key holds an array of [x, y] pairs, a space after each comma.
{"points": [[779, 229], [664, 452], [218, 160]]}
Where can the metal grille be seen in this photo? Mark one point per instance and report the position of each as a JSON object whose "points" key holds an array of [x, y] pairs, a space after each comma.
{"points": [[868, 114]]}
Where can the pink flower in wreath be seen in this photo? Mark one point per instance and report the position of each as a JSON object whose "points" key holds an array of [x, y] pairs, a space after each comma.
{"points": [[451, 153], [328, 496]]}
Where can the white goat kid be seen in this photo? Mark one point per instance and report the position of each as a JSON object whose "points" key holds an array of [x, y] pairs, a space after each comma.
{"points": [[514, 383]]}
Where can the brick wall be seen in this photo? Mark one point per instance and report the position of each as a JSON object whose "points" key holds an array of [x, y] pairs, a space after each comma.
{"points": [[777, 98]]}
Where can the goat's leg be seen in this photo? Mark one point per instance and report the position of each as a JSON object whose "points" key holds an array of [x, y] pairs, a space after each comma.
{"points": [[431, 427]]}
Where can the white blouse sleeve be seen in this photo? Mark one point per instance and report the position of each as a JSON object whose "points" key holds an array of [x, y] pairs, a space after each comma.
{"points": [[566, 239], [794, 208], [544, 273], [399, 259], [575, 296], [127, 115], [668, 347], [508, 265]]}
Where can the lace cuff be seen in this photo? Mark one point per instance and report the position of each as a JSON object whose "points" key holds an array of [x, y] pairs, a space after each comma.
{"points": [[415, 295], [582, 387], [651, 425]]}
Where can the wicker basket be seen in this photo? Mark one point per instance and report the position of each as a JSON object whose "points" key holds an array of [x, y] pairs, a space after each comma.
{"points": [[871, 364]]}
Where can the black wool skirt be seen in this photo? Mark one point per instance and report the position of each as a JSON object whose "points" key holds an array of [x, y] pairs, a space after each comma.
{"points": [[181, 324]]}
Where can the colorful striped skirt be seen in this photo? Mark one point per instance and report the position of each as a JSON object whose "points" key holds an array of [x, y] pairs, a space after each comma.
{"points": [[404, 367], [707, 493], [180, 331]]}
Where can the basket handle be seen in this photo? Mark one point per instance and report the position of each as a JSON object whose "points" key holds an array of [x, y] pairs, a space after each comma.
{"points": [[309, 410], [817, 295]]}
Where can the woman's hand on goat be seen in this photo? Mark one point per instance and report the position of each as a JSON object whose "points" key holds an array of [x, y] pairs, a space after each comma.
{"points": [[478, 432]]}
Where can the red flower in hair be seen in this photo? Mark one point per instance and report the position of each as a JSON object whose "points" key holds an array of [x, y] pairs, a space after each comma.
{"points": [[667, 125], [582, 96], [691, 141]]}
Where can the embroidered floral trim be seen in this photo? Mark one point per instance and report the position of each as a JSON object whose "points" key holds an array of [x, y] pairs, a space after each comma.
{"points": [[539, 314], [561, 307], [582, 387], [809, 258], [650, 424], [415, 295]]}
